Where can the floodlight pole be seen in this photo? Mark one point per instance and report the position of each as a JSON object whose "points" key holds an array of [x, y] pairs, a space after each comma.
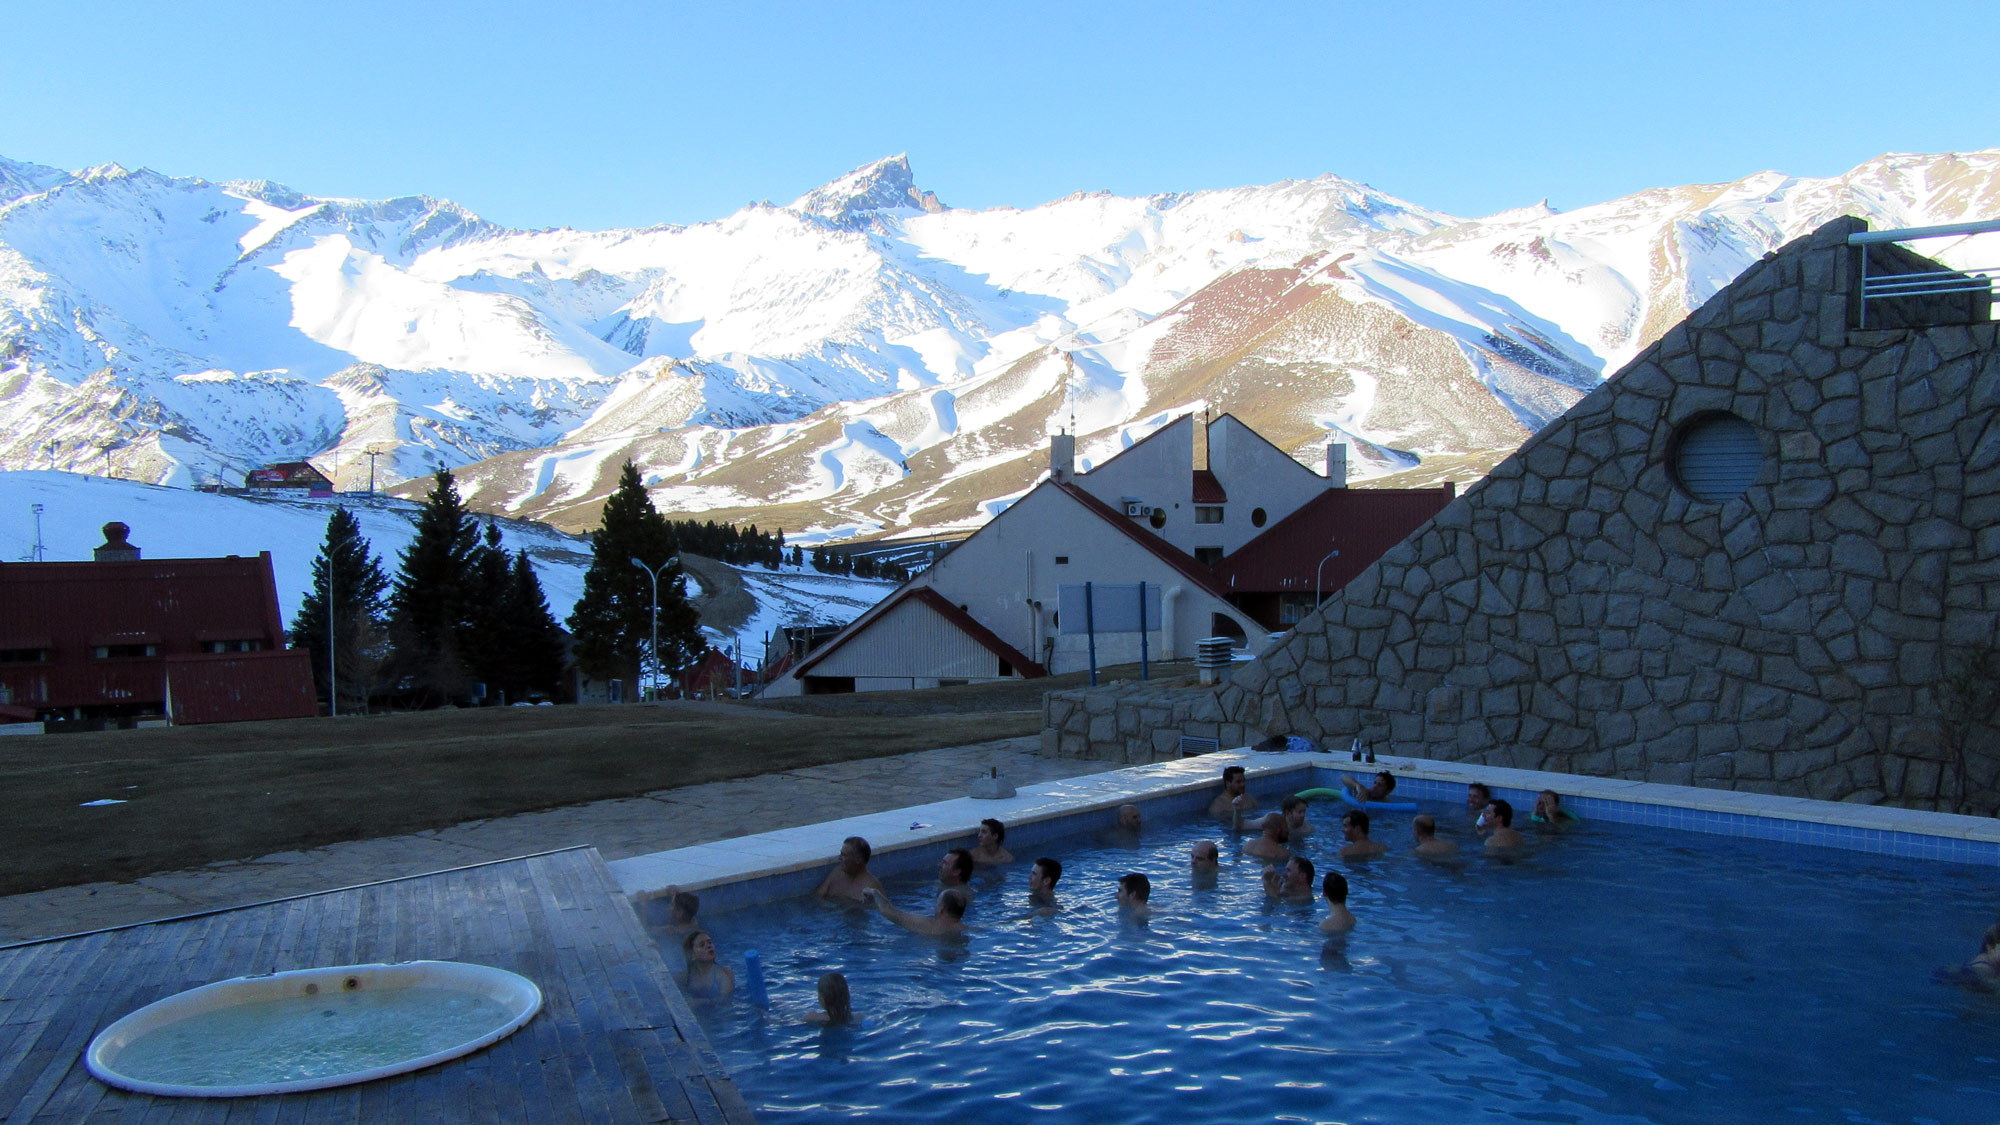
{"points": [[332, 673], [654, 576], [1319, 574]]}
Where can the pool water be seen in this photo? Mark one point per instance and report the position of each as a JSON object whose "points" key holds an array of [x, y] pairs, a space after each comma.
{"points": [[1612, 973]]}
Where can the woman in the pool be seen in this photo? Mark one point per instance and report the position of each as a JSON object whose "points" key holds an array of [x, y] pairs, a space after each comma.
{"points": [[1549, 812], [704, 979], [836, 1007]]}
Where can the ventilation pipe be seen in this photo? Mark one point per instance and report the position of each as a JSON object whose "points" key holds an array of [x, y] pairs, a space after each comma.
{"points": [[1168, 598], [116, 548], [1336, 464]]}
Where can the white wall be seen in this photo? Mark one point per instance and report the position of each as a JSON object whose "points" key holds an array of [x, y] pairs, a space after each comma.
{"points": [[1255, 474]]}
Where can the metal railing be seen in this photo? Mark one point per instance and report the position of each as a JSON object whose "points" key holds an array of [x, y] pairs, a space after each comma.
{"points": [[1882, 287]]}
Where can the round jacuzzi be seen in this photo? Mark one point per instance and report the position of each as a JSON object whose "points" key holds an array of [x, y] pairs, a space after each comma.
{"points": [[309, 1029]]}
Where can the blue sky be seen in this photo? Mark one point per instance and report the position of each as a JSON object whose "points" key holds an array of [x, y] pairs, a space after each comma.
{"points": [[595, 115]]}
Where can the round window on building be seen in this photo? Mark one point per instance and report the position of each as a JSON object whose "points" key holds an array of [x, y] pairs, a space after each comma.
{"points": [[1158, 518], [1257, 517], [1716, 457]]}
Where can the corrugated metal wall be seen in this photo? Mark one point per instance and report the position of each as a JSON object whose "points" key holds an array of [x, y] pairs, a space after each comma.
{"points": [[911, 640]]}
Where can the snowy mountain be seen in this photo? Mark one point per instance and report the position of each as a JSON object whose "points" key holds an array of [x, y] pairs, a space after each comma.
{"points": [[864, 358]]}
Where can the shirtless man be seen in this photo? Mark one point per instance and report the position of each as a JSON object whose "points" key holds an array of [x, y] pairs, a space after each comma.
{"points": [[1129, 819], [1235, 801], [1293, 884], [1294, 808], [991, 851], [1204, 864], [1425, 829], [1377, 790], [1134, 890], [1042, 888], [946, 918], [1354, 826], [1270, 845], [1338, 919], [955, 872], [1499, 817], [851, 876], [1477, 797]]}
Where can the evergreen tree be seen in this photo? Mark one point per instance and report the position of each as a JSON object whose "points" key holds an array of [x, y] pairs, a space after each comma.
{"points": [[798, 555], [489, 630], [359, 640], [431, 608], [534, 643], [612, 622]]}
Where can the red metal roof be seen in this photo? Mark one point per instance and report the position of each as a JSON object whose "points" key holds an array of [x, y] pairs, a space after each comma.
{"points": [[965, 622], [1361, 523], [1208, 490]]}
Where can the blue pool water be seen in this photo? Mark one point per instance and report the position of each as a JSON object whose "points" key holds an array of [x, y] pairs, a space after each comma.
{"points": [[1614, 973]]}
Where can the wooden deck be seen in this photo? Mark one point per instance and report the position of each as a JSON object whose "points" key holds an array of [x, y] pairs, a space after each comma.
{"points": [[614, 1040]]}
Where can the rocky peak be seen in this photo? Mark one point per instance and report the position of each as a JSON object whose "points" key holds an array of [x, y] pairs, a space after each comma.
{"points": [[887, 184]]}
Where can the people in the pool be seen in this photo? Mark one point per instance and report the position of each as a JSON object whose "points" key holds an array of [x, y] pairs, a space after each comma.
{"points": [[836, 1006], [1042, 878], [1235, 801], [682, 906], [1270, 844], [1338, 918], [1477, 797], [1424, 827], [1499, 820], [1125, 829], [1292, 883], [1204, 856], [1548, 808], [703, 979], [1354, 826], [955, 871], [992, 850], [1296, 824], [1134, 893], [850, 876], [1376, 790], [947, 915]]}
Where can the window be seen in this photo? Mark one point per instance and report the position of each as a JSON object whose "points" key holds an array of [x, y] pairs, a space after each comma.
{"points": [[1208, 556], [232, 646], [1062, 560], [1208, 513], [24, 656], [119, 652], [1257, 517]]}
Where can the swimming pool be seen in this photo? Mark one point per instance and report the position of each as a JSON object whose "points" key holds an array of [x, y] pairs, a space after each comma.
{"points": [[1617, 972]]}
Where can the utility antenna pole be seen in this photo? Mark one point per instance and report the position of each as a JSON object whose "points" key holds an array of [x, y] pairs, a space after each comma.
{"points": [[372, 454], [37, 509], [1069, 387]]}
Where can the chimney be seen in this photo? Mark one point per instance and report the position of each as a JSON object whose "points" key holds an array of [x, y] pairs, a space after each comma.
{"points": [[116, 548], [1062, 457], [1336, 464]]}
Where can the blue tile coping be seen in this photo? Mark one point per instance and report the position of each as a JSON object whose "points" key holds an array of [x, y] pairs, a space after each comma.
{"points": [[777, 865]]}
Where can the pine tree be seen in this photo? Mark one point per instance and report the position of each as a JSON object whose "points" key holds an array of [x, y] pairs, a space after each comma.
{"points": [[489, 636], [612, 622], [431, 608], [534, 642], [359, 640]]}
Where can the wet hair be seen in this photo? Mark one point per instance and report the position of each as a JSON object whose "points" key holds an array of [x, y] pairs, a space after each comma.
{"points": [[1425, 825], [961, 861], [1504, 811], [1232, 771], [1275, 827], [1206, 849], [1334, 886], [834, 997], [1136, 885], [1305, 865], [999, 829], [1292, 802], [953, 901], [1051, 869], [1385, 775], [687, 945], [1359, 818], [683, 907], [859, 845], [1480, 788]]}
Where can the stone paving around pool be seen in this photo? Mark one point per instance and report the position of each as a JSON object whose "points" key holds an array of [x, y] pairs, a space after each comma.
{"points": [[655, 822]]}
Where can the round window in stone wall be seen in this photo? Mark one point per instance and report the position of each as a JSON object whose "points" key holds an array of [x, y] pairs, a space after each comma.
{"points": [[1716, 457], [1257, 517]]}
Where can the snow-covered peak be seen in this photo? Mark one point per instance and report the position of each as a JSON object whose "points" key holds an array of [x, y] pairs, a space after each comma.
{"points": [[885, 185], [18, 179]]}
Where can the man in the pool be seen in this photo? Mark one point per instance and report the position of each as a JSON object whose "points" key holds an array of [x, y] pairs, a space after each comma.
{"points": [[1425, 828], [1234, 802], [851, 876], [1042, 879], [1293, 884], [1338, 919], [1499, 817], [992, 850], [1377, 790], [955, 872], [1359, 846], [1270, 845], [1477, 797], [1296, 825], [1134, 890], [947, 917], [1204, 864]]}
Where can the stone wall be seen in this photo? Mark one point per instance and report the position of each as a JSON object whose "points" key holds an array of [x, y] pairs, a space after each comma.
{"points": [[1580, 611]]}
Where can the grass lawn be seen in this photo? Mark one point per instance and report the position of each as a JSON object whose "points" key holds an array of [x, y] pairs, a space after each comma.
{"points": [[233, 791]]}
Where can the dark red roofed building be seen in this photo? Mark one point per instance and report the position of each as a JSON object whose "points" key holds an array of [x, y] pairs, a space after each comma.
{"points": [[290, 476], [1280, 576], [123, 638]]}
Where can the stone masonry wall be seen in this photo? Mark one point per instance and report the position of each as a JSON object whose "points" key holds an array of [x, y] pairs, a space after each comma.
{"points": [[1579, 611]]}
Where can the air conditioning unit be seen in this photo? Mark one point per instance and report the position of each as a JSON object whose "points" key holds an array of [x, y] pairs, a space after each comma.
{"points": [[1136, 509]]}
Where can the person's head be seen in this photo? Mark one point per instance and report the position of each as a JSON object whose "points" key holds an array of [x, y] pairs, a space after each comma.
{"points": [[698, 948], [1334, 888], [1355, 825], [1299, 874], [682, 908], [1134, 889], [1204, 856], [955, 866], [1233, 781], [1294, 808], [1043, 875], [1548, 804], [1275, 828], [1385, 781], [1424, 826], [1991, 943], [1128, 818], [1477, 796], [854, 853], [950, 903], [834, 998], [1502, 812], [992, 833]]}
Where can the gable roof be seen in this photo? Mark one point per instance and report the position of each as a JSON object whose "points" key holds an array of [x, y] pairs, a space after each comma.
{"points": [[1208, 490], [1361, 523], [963, 621], [1183, 564]]}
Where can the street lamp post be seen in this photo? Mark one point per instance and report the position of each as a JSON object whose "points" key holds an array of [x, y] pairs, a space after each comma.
{"points": [[654, 575], [1319, 574]]}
